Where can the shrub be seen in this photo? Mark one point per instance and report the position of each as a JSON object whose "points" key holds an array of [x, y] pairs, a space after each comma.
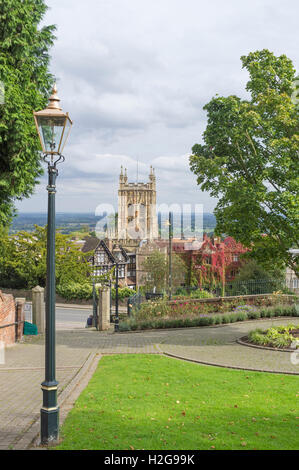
{"points": [[232, 318], [249, 310], [277, 337], [218, 319], [201, 294], [75, 291], [241, 316], [253, 315], [123, 293], [263, 312], [257, 337], [83, 291], [225, 318], [206, 321], [182, 293], [271, 313]]}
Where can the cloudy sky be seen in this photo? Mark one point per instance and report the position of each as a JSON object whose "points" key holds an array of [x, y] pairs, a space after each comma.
{"points": [[134, 76]]}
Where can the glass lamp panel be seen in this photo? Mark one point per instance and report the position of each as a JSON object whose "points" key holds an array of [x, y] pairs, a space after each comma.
{"points": [[50, 131], [68, 125]]}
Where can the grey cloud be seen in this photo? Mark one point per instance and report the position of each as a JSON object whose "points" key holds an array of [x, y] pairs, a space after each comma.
{"points": [[134, 76]]}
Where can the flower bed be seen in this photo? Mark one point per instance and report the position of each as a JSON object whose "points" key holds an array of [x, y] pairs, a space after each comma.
{"points": [[189, 318], [282, 337], [195, 307]]}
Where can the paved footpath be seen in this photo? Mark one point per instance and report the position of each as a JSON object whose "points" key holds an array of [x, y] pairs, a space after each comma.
{"points": [[78, 350]]}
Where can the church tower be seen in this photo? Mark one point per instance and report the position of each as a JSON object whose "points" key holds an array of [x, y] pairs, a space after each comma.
{"points": [[137, 218]]}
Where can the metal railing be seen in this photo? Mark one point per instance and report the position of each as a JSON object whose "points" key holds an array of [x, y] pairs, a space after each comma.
{"points": [[253, 287], [231, 289], [134, 302]]}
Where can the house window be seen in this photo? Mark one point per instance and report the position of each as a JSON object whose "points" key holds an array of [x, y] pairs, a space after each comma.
{"points": [[99, 271], [235, 258], [99, 258], [132, 263], [295, 283], [132, 273]]}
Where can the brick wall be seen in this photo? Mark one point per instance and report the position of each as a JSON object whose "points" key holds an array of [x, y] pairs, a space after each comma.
{"points": [[7, 316]]}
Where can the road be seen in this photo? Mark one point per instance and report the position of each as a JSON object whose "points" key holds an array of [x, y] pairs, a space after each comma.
{"points": [[68, 318]]}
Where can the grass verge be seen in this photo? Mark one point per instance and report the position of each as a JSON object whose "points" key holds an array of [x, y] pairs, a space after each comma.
{"points": [[154, 403]]}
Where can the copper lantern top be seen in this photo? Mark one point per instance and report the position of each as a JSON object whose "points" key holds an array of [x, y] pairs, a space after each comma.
{"points": [[53, 125]]}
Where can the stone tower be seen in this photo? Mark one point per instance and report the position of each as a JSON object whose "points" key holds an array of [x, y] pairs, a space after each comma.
{"points": [[137, 218]]}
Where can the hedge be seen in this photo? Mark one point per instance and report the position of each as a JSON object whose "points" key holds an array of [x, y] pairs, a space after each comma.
{"points": [[83, 291]]}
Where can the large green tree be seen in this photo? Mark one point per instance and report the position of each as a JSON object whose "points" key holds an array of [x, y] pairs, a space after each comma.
{"points": [[156, 271], [23, 260], [249, 161], [24, 61]]}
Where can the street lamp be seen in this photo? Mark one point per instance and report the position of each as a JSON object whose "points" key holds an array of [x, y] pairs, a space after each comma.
{"points": [[117, 253], [53, 127], [94, 297], [170, 236]]}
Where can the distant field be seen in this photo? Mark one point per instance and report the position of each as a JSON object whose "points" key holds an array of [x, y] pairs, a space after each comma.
{"points": [[66, 222], [85, 222]]}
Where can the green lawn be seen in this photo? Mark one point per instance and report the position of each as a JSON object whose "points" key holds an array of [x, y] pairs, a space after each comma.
{"points": [[155, 403]]}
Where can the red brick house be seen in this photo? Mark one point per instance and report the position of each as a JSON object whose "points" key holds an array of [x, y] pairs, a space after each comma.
{"points": [[212, 259]]}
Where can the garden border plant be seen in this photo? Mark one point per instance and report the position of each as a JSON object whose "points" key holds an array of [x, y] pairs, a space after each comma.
{"points": [[282, 337], [241, 313]]}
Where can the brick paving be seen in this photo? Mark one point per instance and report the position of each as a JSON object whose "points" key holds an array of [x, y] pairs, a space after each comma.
{"points": [[23, 371], [218, 346]]}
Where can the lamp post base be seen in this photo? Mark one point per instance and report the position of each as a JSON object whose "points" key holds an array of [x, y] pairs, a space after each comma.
{"points": [[49, 429]]}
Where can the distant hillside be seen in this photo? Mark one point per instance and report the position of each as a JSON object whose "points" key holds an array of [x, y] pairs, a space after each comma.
{"points": [[65, 221], [73, 222]]}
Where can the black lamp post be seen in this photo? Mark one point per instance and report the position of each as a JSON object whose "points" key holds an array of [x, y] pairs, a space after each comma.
{"points": [[53, 127], [118, 257], [170, 236], [116, 324], [94, 295], [94, 304]]}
